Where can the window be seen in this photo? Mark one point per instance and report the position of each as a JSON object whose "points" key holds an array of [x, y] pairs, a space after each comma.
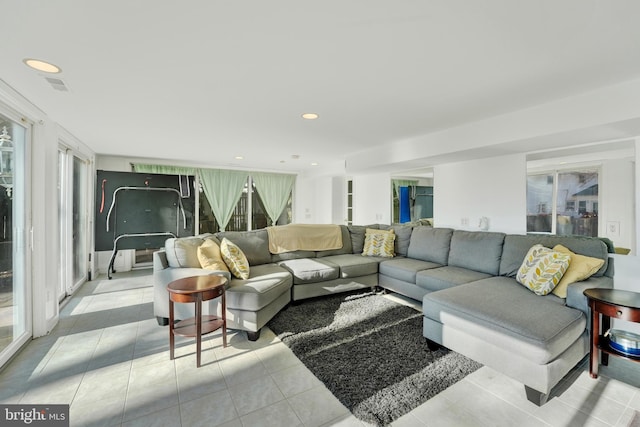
{"points": [[248, 210], [563, 202]]}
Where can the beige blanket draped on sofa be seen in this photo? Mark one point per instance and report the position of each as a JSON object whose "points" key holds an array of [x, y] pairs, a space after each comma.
{"points": [[306, 237]]}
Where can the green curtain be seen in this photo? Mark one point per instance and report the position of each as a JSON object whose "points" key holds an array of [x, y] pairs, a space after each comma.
{"points": [[169, 170], [223, 189], [274, 190], [402, 183]]}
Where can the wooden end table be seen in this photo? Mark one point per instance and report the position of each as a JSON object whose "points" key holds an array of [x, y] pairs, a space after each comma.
{"points": [[197, 289], [610, 303]]}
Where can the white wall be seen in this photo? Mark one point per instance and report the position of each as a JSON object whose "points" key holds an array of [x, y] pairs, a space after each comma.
{"points": [[617, 203], [314, 200], [372, 199], [494, 188]]}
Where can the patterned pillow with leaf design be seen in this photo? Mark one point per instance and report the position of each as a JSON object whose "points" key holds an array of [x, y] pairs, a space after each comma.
{"points": [[235, 259], [542, 269], [379, 243]]}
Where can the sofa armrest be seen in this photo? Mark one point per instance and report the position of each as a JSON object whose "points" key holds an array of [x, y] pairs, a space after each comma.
{"points": [[577, 299], [160, 260]]}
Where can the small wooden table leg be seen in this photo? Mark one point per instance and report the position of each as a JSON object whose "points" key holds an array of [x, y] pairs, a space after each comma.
{"points": [[198, 328], [606, 325], [595, 333], [171, 334], [224, 320]]}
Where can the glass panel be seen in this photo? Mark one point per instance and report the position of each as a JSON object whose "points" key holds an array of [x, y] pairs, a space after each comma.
{"points": [[62, 242], [539, 203], [577, 203], [79, 223], [13, 303]]}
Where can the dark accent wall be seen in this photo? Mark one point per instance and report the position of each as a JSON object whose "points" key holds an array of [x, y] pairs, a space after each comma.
{"points": [[152, 207]]}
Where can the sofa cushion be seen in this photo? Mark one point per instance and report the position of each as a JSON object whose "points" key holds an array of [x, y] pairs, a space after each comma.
{"points": [[446, 277], [183, 251], [516, 247], [405, 269], [500, 311], [580, 268], [357, 233], [235, 259], [542, 269], [310, 270], [276, 258], [346, 248], [254, 244], [379, 243], [430, 244], [476, 250], [403, 237], [352, 266], [267, 282], [210, 257]]}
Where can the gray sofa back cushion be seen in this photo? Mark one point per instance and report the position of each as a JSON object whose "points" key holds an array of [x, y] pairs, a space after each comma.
{"points": [[476, 250], [403, 237], [347, 247], [516, 247], [182, 252], [357, 233], [430, 244], [254, 244]]}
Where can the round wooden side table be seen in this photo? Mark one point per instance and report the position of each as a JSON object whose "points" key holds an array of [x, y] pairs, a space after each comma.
{"points": [[610, 303], [197, 289]]}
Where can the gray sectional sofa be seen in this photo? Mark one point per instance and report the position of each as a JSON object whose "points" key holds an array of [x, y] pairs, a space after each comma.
{"points": [[465, 280]]}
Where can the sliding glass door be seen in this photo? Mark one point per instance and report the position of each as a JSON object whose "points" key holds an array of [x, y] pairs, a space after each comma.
{"points": [[73, 258], [15, 327]]}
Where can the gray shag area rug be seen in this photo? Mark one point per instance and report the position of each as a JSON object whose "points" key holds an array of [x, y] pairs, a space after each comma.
{"points": [[370, 353]]}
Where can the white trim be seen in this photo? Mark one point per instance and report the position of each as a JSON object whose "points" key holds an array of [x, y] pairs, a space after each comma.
{"points": [[15, 101], [637, 201]]}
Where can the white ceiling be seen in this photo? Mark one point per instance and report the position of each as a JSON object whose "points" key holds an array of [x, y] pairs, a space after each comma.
{"points": [[203, 81]]}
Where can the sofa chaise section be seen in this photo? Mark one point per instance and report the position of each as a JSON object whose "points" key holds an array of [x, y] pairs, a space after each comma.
{"points": [[502, 324]]}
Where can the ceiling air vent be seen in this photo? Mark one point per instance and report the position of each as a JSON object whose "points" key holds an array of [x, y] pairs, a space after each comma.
{"points": [[57, 84]]}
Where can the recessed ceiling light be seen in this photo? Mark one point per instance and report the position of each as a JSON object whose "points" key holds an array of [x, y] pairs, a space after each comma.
{"points": [[310, 116], [39, 65], [239, 158], [314, 164]]}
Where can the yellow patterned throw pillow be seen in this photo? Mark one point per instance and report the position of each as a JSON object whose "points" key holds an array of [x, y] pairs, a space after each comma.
{"points": [[542, 269], [210, 257], [378, 243], [581, 268], [235, 259]]}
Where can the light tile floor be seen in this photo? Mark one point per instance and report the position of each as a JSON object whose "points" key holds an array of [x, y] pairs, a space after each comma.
{"points": [[109, 360]]}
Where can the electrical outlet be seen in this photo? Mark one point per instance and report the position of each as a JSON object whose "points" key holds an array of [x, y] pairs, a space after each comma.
{"points": [[464, 222], [613, 228]]}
